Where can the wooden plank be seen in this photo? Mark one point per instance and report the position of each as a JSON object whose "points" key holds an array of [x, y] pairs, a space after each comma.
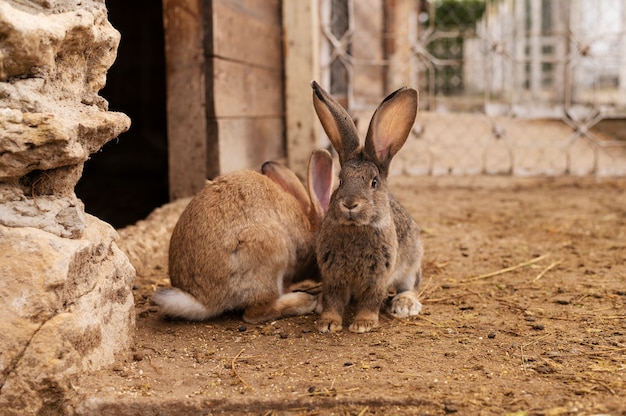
{"points": [[301, 30], [242, 90], [247, 143], [397, 43], [248, 31], [224, 112], [266, 11], [186, 86], [247, 83], [367, 48]]}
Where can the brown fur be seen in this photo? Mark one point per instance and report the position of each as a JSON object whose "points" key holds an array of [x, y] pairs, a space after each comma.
{"points": [[243, 240]]}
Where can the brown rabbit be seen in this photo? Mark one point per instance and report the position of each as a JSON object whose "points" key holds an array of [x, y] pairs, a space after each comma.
{"points": [[368, 243], [242, 242]]}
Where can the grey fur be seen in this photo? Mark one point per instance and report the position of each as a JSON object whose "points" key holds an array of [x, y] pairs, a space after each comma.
{"points": [[368, 243]]}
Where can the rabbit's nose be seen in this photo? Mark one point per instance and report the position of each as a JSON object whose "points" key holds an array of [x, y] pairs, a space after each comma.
{"points": [[350, 205]]}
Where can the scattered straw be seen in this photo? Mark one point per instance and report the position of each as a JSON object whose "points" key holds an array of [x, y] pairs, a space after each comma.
{"points": [[430, 322], [157, 369], [426, 289], [362, 412], [232, 366], [604, 385], [448, 298], [505, 270], [544, 271]]}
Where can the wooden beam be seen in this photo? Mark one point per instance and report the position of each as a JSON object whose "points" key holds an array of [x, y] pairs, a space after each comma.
{"points": [[247, 83], [188, 86], [301, 31], [224, 88], [398, 53]]}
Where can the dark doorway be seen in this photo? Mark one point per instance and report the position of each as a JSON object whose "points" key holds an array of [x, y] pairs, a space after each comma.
{"points": [[128, 177]]}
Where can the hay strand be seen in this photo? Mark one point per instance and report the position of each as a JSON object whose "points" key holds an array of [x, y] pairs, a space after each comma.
{"points": [[505, 270], [235, 372], [544, 271]]}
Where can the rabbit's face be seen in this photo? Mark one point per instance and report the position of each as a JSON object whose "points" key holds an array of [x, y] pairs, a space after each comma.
{"points": [[361, 196]]}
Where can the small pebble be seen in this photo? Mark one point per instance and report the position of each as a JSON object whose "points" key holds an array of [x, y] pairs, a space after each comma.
{"points": [[242, 329], [491, 335]]}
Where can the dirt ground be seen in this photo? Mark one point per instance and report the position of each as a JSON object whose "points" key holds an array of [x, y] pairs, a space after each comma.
{"points": [[524, 296]]}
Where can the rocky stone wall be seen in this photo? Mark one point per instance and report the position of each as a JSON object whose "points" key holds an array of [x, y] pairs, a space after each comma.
{"points": [[65, 287]]}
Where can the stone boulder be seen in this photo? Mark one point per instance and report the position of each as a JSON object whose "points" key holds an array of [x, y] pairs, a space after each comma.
{"points": [[68, 308], [65, 286], [54, 56]]}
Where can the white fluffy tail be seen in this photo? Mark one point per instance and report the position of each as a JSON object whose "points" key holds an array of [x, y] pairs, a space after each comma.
{"points": [[177, 303]]}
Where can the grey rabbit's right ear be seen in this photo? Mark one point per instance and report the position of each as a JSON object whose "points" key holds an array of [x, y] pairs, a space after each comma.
{"points": [[337, 123], [390, 126], [320, 180]]}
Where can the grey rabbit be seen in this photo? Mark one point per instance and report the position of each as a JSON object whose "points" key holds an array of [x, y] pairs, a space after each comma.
{"points": [[368, 244], [244, 240]]}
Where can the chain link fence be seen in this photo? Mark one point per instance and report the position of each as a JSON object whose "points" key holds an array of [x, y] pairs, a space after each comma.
{"points": [[523, 87]]}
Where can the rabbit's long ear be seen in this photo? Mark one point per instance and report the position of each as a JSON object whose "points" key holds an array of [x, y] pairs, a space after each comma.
{"points": [[320, 180], [286, 179], [337, 123], [390, 127]]}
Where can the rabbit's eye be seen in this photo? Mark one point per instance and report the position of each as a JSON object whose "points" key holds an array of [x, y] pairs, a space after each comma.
{"points": [[374, 182]]}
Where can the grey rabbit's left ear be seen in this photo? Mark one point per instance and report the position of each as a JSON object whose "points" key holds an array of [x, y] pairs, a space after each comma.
{"points": [[337, 123], [390, 127]]}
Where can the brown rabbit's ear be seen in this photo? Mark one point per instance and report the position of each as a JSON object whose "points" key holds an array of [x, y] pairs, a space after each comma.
{"points": [[286, 179], [390, 127], [320, 180], [337, 123]]}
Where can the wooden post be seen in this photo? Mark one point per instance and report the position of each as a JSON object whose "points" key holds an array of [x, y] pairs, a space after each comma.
{"points": [[621, 77], [187, 72], [301, 31], [398, 54], [224, 88]]}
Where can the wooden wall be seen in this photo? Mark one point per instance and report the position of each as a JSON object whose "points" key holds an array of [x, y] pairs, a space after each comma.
{"points": [[225, 88], [247, 82]]}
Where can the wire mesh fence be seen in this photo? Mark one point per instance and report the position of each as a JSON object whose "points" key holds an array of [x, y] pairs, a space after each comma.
{"points": [[522, 87]]}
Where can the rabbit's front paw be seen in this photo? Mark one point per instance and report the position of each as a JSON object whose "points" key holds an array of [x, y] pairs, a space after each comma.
{"points": [[405, 304], [364, 321], [363, 325], [329, 322]]}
